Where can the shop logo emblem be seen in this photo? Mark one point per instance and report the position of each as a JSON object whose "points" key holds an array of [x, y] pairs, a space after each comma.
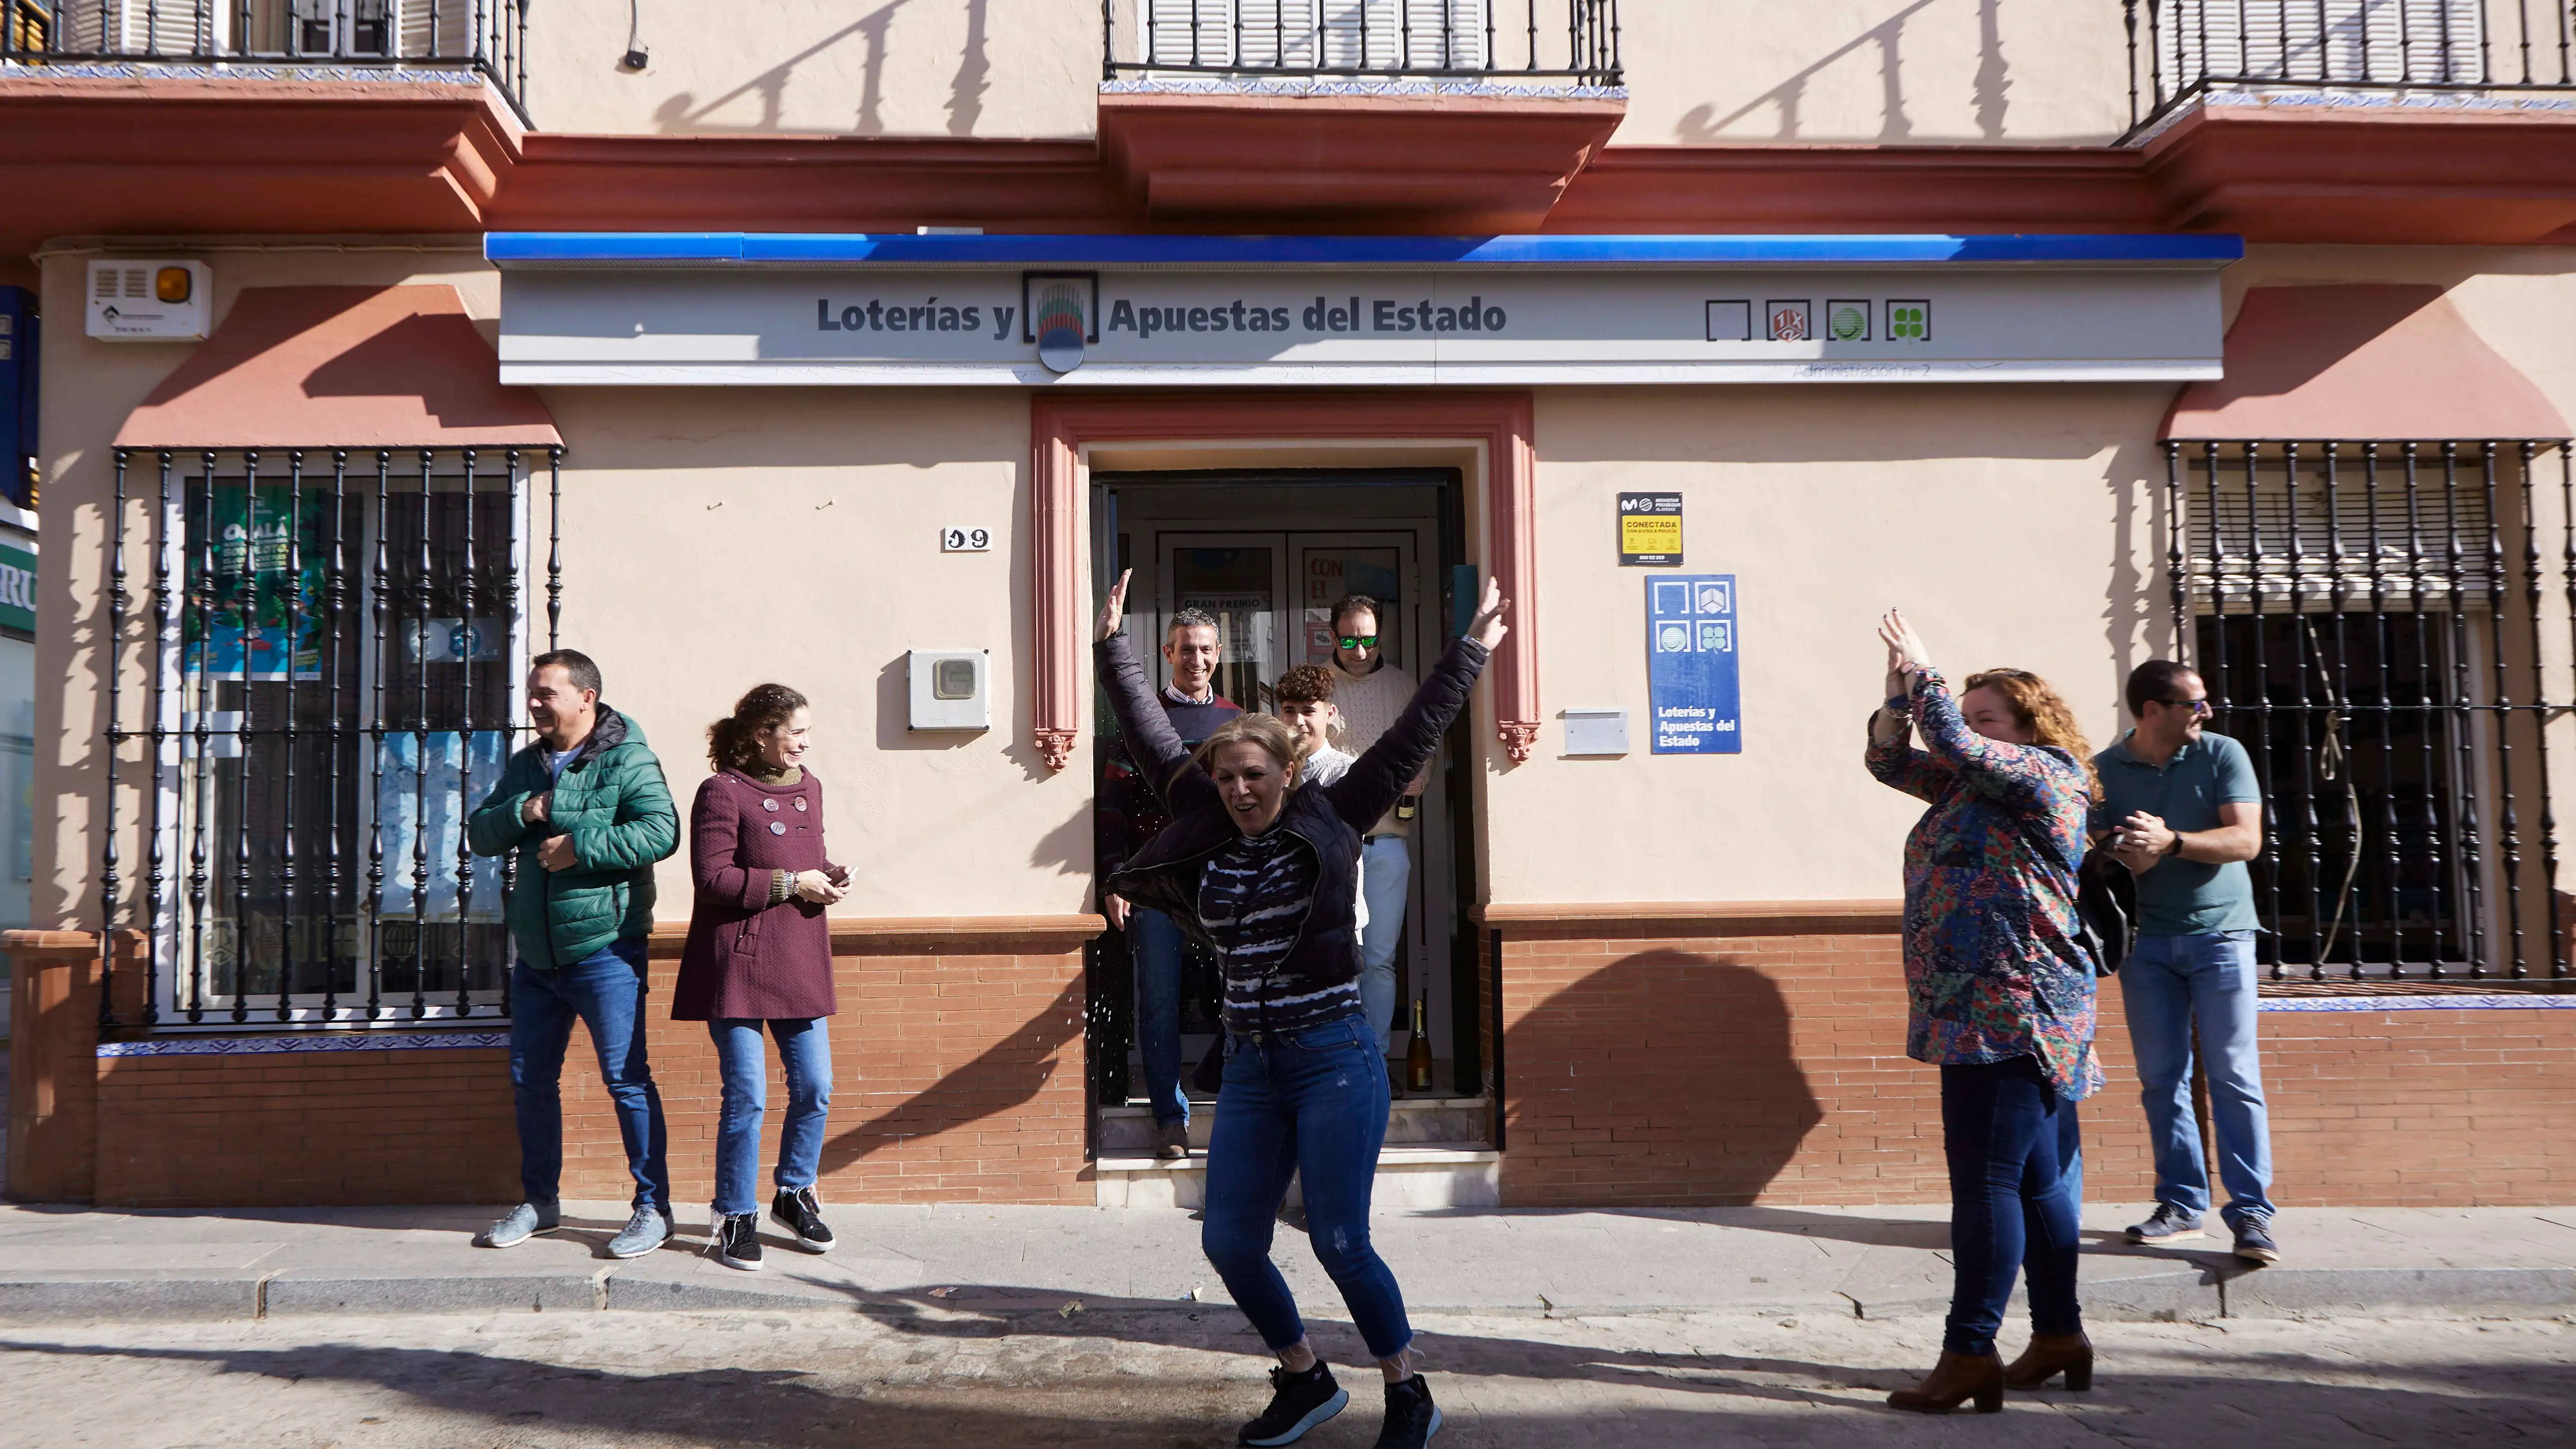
{"points": [[1909, 321], [1788, 321], [1063, 313], [1847, 321]]}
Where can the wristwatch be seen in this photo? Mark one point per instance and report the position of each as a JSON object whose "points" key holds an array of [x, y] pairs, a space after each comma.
{"points": [[2176, 847]]}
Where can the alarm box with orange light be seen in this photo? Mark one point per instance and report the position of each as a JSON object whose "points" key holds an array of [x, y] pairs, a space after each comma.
{"points": [[140, 301]]}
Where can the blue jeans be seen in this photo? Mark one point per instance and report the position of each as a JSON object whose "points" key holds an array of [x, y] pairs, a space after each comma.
{"points": [[2169, 983], [2016, 1190], [605, 989], [1157, 947], [805, 1052], [1386, 878], [1310, 1103]]}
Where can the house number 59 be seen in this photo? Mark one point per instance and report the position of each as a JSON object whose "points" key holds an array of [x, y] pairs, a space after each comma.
{"points": [[965, 540]]}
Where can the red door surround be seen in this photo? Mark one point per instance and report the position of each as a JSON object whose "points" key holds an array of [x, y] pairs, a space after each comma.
{"points": [[1060, 427]]}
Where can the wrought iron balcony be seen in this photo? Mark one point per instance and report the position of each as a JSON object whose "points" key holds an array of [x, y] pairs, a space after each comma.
{"points": [[2181, 51], [1557, 44], [464, 37]]}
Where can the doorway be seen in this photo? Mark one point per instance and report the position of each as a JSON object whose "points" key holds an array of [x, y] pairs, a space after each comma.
{"points": [[1267, 554]]}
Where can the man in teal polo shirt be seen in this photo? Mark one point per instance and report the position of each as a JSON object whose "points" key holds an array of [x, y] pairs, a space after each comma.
{"points": [[2182, 809]]}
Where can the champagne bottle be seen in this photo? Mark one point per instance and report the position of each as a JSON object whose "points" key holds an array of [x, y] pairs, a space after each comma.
{"points": [[1417, 1056]]}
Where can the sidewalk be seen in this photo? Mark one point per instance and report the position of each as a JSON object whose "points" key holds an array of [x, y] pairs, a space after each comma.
{"points": [[61, 1264]]}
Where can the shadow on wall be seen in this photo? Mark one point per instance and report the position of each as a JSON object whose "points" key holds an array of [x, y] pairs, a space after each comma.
{"points": [[1007, 1075], [1687, 1057], [1702, 126], [684, 114]]}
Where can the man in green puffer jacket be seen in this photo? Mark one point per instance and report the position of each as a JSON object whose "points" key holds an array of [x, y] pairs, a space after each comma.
{"points": [[587, 810]]}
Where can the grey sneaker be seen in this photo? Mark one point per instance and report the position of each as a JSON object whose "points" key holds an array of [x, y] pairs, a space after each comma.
{"points": [[2254, 1240], [2166, 1224], [647, 1230], [524, 1222]]}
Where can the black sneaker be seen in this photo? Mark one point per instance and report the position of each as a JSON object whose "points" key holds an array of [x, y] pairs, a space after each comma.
{"points": [[2165, 1225], [2254, 1240], [1411, 1417], [800, 1214], [1298, 1402], [736, 1241]]}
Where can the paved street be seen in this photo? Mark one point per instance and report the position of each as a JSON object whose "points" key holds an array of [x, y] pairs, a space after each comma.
{"points": [[534, 1381]]}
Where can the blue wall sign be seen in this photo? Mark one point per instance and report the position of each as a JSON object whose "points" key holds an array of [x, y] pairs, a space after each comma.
{"points": [[1690, 664]]}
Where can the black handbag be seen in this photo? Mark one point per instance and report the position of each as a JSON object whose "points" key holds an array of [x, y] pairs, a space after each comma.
{"points": [[2106, 909]]}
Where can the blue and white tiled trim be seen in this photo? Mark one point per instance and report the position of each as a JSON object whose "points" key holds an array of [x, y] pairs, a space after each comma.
{"points": [[2498, 1001], [239, 1046]]}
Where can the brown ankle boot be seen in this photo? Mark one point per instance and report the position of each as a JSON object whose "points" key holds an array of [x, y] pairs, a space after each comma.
{"points": [[2049, 1355], [1957, 1378]]}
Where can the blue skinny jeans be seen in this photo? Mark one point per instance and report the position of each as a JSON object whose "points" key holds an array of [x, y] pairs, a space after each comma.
{"points": [[1310, 1104], [805, 1056], [2016, 1187]]}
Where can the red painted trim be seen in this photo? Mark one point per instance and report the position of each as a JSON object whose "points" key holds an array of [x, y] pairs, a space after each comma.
{"points": [[175, 155], [1353, 163], [1059, 428]]}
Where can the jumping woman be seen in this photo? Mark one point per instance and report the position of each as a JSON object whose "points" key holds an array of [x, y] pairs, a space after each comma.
{"points": [[1262, 868]]}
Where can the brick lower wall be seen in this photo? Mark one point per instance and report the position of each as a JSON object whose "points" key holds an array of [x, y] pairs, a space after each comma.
{"points": [[958, 1067], [1649, 1067]]}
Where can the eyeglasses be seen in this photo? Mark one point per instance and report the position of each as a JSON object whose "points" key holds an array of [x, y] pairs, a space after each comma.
{"points": [[1359, 641], [2196, 706]]}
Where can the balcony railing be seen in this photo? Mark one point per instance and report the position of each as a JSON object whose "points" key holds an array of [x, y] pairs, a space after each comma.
{"points": [[487, 37], [2180, 50], [1557, 43]]}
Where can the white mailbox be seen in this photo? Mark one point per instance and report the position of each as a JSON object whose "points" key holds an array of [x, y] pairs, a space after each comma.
{"points": [[134, 301], [952, 689]]}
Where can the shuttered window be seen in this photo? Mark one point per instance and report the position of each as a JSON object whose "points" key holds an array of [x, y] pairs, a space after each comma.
{"points": [[1395, 36], [2332, 41], [2324, 541]]}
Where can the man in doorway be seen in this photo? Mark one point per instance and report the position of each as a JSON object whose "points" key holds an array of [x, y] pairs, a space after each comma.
{"points": [[1129, 815], [587, 810], [1370, 693], [2182, 809]]}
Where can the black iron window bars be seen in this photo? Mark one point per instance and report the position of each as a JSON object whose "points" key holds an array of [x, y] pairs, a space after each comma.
{"points": [[2191, 46], [486, 36], [2380, 624], [330, 645], [1497, 40]]}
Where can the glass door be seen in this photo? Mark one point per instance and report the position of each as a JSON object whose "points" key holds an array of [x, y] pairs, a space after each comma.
{"points": [[1238, 579]]}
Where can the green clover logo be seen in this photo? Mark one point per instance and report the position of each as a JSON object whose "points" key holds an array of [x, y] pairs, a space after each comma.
{"points": [[1909, 321]]}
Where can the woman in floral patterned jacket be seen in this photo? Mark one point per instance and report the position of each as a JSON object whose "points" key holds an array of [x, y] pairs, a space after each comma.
{"points": [[2001, 995]]}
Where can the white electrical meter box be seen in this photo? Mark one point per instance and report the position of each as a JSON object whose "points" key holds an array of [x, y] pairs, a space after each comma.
{"points": [[952, 689], [132, 301]]}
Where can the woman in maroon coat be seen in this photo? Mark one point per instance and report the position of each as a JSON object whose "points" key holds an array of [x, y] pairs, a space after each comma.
{"points": [[760, 954]]}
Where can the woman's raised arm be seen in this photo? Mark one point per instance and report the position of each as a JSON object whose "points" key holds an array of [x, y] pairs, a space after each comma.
{"points": [[1151, 741]]}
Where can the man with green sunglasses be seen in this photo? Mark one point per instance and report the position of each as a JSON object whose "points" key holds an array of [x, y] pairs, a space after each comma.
{"points": [[1370, 693]]}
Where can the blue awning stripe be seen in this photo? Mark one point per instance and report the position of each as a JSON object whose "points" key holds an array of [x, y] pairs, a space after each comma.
{"points": [[808, 249]]}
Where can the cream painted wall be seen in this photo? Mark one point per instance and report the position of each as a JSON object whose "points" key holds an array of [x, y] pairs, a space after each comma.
{"points": [[2011, 524], [1753, 72], [717, 538], [835, 67], [1699, 71]]}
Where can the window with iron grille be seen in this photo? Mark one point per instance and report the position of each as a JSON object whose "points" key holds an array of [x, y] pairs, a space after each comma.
{"points": [[2370, 620], [335, 643]]}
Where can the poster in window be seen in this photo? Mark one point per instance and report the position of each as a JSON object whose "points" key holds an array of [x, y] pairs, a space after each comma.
{"points": [[234, 624]]}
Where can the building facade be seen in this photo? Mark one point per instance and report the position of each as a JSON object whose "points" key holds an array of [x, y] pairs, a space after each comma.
{"points": [[389, 345]]}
